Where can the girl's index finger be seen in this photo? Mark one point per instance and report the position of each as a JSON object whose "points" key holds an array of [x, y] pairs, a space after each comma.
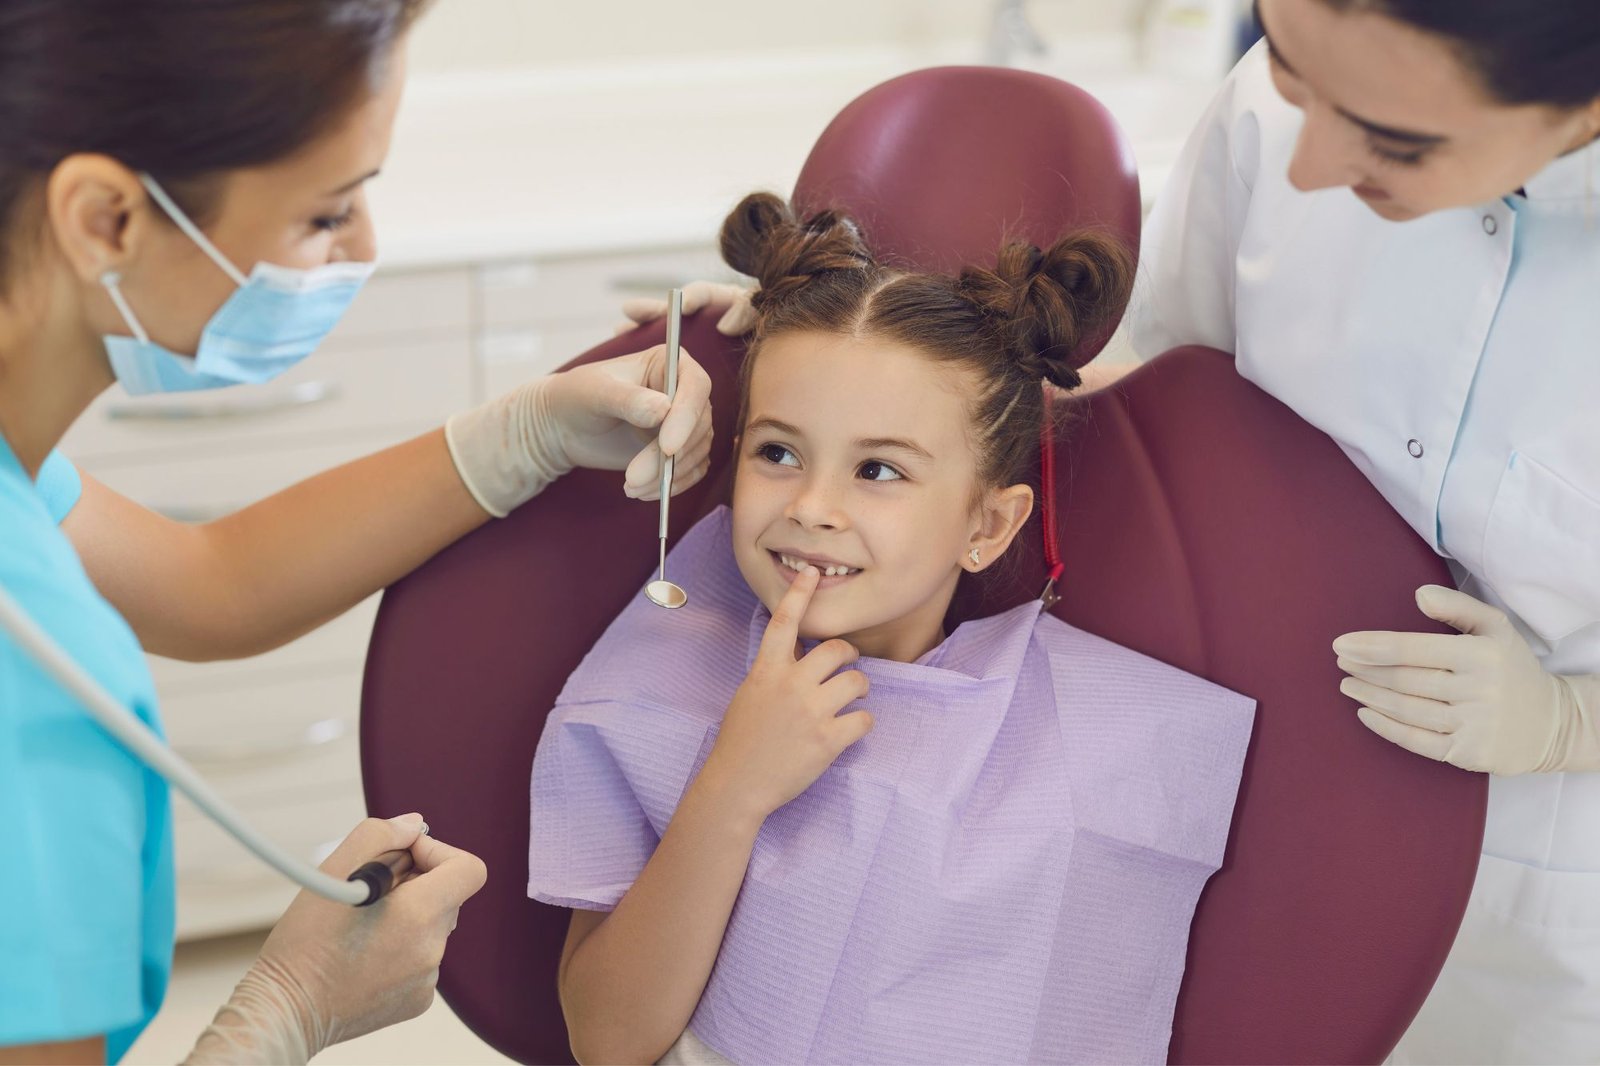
{"points": [[783, 632]]}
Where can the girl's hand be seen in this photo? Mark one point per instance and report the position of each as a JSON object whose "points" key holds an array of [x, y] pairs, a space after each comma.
{"points": [[783, 728]]}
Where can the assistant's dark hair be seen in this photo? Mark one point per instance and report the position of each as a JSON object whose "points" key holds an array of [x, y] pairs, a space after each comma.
{"points": [[1525, 51], [1015, 325], [184, 89]]}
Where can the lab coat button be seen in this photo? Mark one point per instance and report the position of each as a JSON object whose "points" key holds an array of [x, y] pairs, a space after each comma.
{"points": [[1490, 226], [1414, 446]]}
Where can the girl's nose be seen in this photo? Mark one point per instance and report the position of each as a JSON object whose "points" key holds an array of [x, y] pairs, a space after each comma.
{"points": [[816, 506]]}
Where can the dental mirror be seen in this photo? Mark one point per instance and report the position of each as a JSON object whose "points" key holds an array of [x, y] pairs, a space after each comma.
{"points": [[662, 592]]}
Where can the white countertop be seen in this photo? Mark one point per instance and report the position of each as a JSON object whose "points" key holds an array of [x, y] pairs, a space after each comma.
{"points": [[506, 165]]}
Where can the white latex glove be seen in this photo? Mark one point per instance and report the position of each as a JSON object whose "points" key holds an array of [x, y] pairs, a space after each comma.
{"points": [[329, 972], [1479, 700], [733, 301], [602, 415]]}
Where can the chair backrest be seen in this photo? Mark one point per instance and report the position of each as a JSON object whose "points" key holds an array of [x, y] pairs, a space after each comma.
{"points": [[1201, 522]]}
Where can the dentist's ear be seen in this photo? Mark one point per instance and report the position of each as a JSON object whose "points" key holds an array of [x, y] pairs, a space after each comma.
{"points": [[90, 206], [998, 520]]}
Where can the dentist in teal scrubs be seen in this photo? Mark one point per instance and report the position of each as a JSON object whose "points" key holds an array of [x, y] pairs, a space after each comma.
{"points": [[181, 207]]}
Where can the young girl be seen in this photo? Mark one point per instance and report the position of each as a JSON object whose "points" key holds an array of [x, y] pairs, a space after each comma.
{"points": [[833, 832]]}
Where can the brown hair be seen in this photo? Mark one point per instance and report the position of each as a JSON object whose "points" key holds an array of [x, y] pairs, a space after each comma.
{"points": [[183, 89], [1014, 325]]}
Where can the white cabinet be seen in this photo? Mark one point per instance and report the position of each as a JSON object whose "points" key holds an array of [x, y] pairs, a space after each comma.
{"points": [[534, 315], [277, 734]]}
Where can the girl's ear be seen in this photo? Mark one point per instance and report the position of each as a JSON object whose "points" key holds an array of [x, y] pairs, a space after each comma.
{"points": [[999, 519]]}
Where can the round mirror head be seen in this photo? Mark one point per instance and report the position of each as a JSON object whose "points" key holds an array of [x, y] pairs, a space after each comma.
{"points": [[664, 593]]}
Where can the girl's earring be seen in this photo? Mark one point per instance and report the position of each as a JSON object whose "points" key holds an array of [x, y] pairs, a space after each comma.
{"points": [[974, 555]]}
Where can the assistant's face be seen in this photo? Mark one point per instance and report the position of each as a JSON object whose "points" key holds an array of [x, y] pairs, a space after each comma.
{"points": [[1395, 115]]}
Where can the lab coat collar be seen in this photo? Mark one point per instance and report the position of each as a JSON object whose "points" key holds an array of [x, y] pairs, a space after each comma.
{"points": [[1574, 177]]}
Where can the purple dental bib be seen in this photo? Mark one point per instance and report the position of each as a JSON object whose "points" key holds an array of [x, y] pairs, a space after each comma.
{"points": [[1003, 870]]}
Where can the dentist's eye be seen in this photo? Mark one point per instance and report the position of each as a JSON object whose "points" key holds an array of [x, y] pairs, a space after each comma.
{"points": [[329, 223], [872, 469], [778, 455]]}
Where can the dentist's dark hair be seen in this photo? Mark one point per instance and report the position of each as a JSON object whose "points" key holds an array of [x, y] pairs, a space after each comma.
{"points": [[184, 89], [1524, 51], [1015, 324]]}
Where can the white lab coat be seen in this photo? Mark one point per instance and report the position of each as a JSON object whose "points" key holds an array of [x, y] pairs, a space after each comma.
{"points": [[1456, 360]]}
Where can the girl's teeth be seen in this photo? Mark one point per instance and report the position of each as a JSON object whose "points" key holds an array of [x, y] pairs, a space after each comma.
{"points": [[799, 564]]}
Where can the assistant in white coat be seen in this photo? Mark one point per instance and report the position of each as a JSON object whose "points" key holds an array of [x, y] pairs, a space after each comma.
{"points": [[1413, 265]]}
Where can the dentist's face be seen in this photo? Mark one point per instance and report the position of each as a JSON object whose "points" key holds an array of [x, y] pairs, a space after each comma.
{"points": [[855, 455], [1394, 114], [303, 211]]}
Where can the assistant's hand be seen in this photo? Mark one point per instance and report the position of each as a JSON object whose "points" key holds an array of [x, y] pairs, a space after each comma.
{"points": [[610, 415], [733, 301], [783, 727], [330, 972], [1478, 699]]}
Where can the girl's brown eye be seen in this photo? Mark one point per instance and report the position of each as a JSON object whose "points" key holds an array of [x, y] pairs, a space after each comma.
{"points": [[871, 469], [776, 454]]}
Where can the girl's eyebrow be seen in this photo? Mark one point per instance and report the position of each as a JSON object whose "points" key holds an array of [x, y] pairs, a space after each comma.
{"points": [[773, 424], [866, 444], [872, 444]]}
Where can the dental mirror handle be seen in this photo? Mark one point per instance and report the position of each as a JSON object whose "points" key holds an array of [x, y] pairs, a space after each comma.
{"points": [[674, 340]]}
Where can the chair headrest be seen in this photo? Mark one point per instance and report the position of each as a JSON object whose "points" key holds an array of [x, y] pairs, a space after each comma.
{"points": [[942, 166]]}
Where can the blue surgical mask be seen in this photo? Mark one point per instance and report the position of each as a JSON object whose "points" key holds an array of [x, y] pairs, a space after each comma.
{"points": [[274, 320]]}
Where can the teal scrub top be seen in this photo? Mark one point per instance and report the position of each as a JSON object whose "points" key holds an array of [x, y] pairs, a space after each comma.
{"points": [[86, 899]]}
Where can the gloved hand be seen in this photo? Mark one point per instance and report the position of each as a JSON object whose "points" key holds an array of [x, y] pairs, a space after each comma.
{"points": [[329, 972], [738, 316], [602, 415], [1479, 700]]}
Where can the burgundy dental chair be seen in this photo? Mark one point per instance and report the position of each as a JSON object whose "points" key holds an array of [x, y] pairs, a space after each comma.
{"points": [[1200, 522]]}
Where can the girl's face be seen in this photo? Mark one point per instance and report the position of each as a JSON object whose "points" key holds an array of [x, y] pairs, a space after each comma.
{"points": [[856, 455], [1394, 114]]}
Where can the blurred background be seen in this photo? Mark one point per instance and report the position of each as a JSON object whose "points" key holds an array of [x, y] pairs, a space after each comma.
{"points": [[550, 160]]}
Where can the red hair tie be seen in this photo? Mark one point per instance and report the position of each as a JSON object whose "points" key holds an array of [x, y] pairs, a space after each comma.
{"points": [[1047, 504]]}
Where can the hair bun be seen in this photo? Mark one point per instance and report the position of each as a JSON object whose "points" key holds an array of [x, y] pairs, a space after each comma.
{"points": [[1045, 302], [763, 238]]}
